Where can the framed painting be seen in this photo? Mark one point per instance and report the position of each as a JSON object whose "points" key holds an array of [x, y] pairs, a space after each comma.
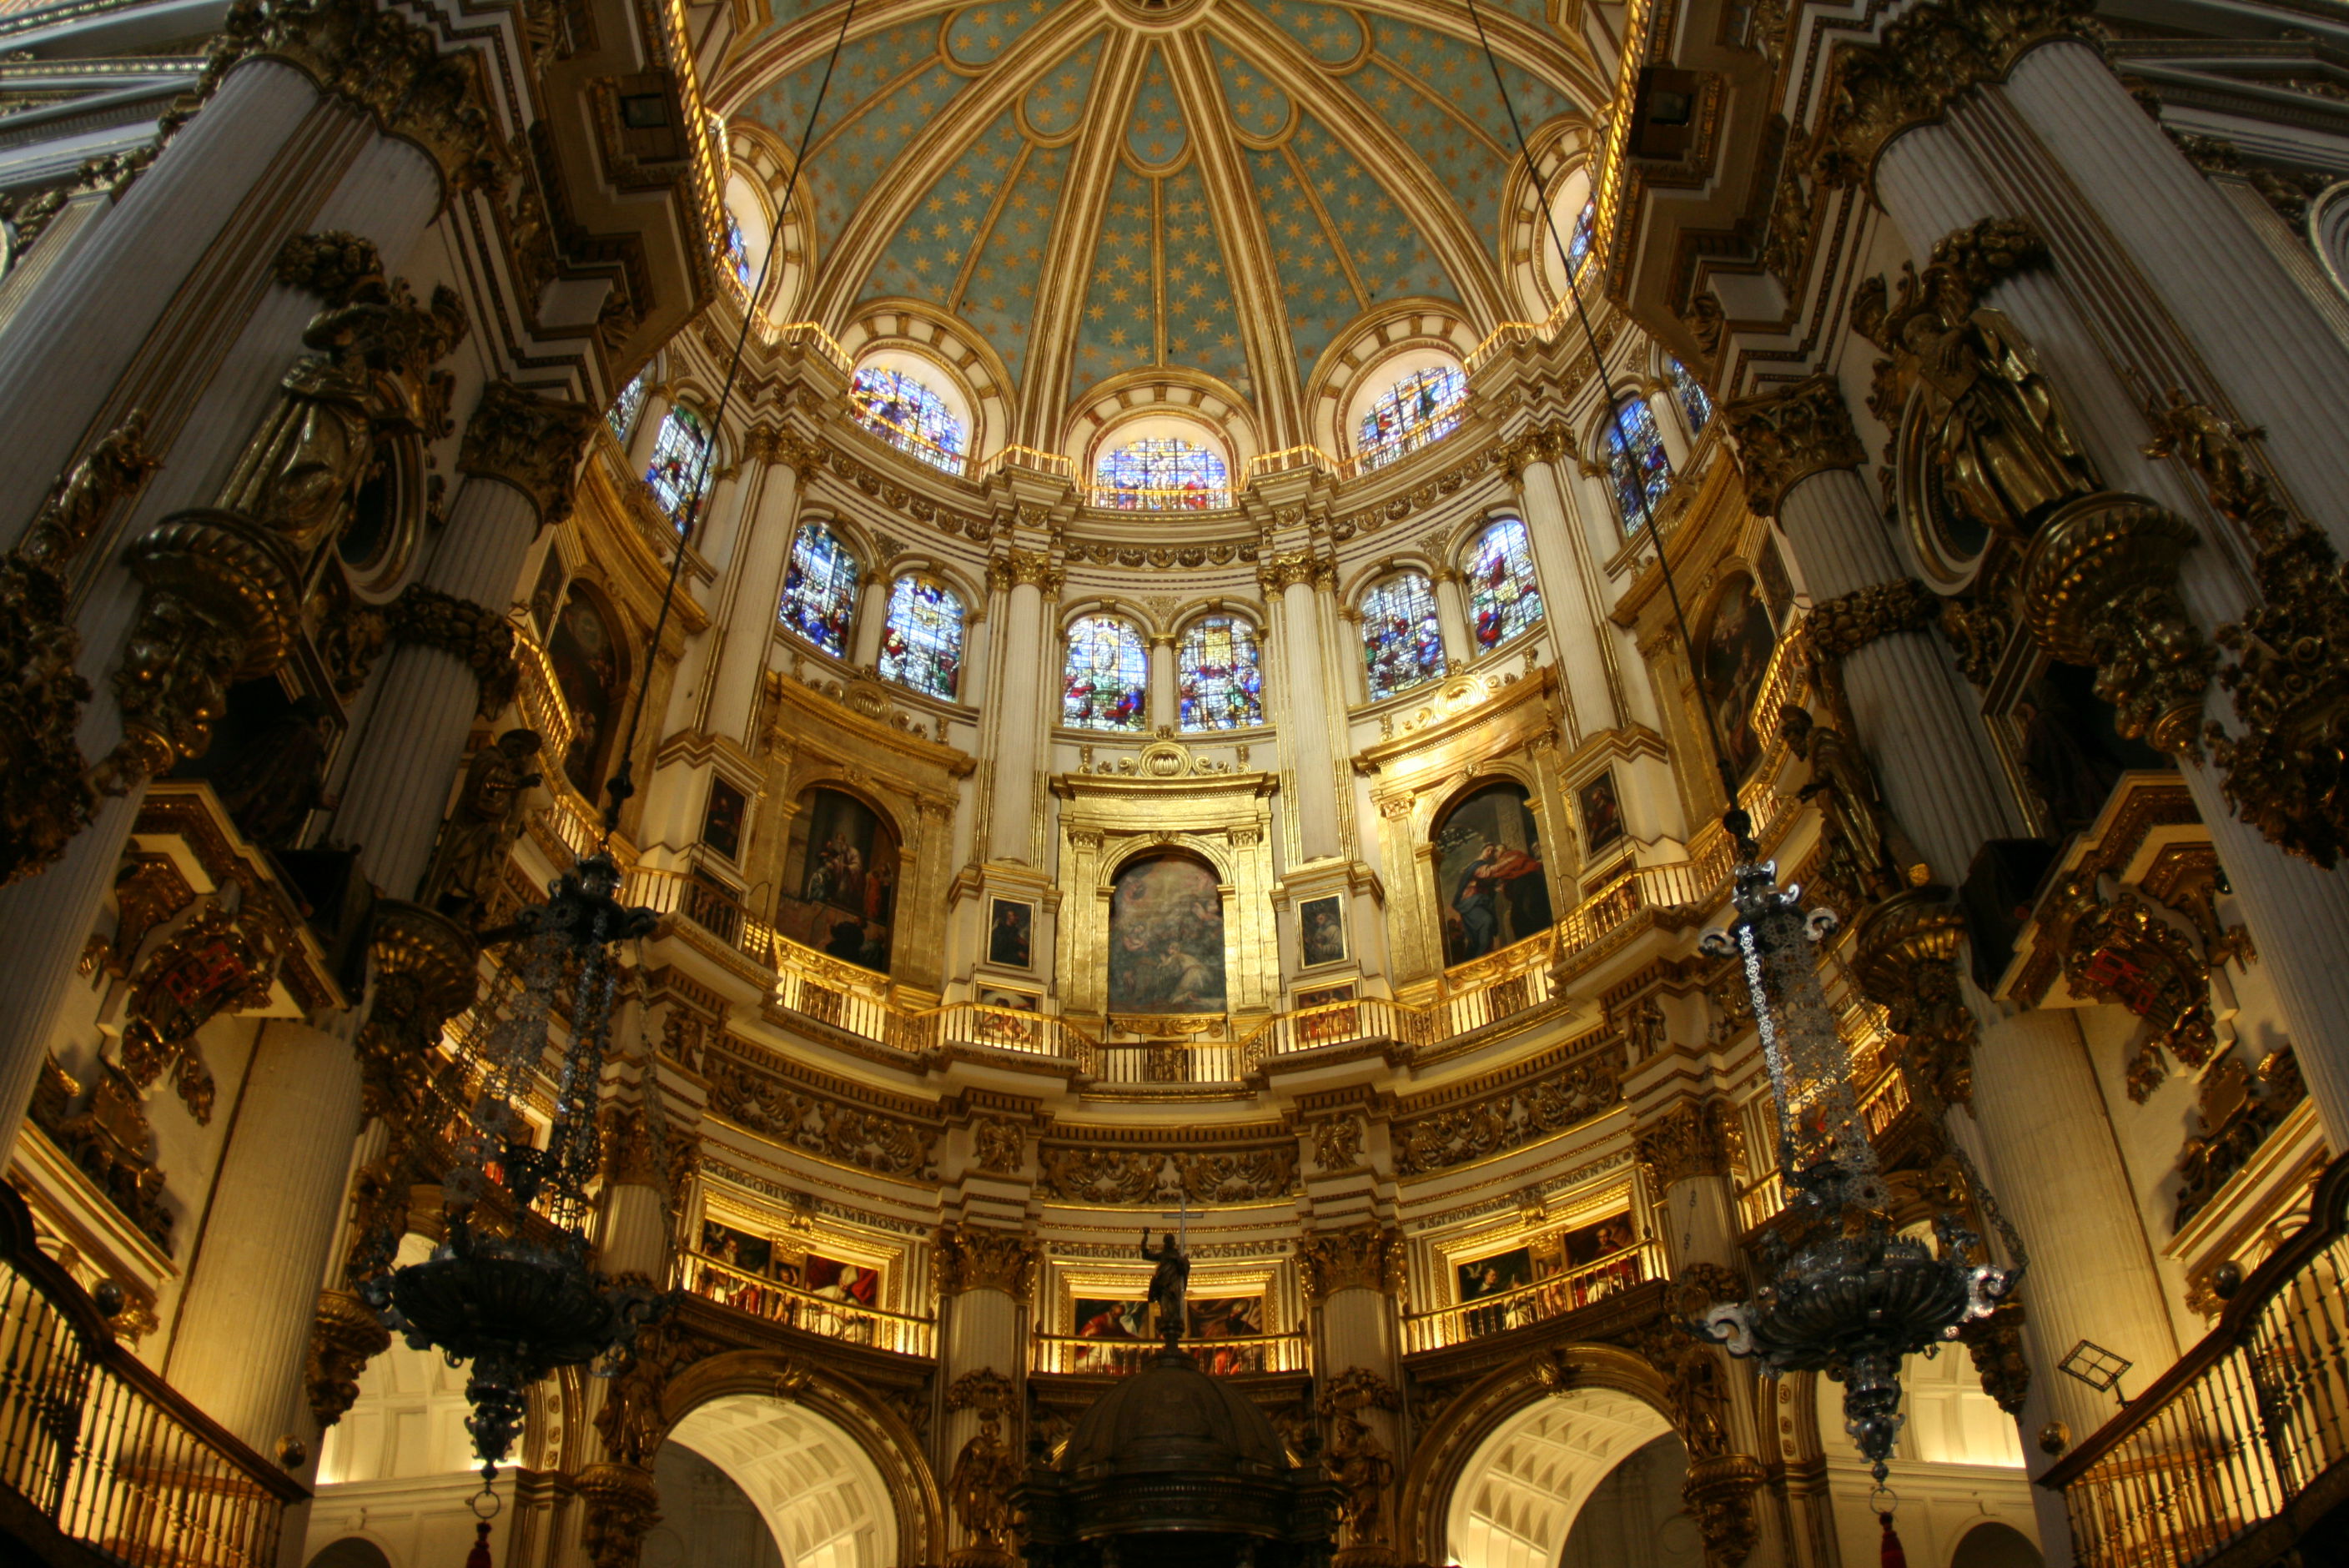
{"points": [[1165, 937], [1494, 1275], [836, 1281], [1321, 929], [721, 817], [1227, 1317], [1488, 871], [1601, 813], [1010, 934], [1109, 1317]]}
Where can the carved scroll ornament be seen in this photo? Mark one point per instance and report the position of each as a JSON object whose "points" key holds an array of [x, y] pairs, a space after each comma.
{"points": [[2122, 952]]}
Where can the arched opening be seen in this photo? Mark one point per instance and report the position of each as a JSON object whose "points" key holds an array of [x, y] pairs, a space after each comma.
{"points": [[1737, 644], [840, 877], [1995, 1545], [921, 646], [1165, 937], [706, 1517], [1162, 465], [913, 407], [1637, 1514], [1636, 462], [1521, 1496], [1409, 402], [821, 1497], [1696, 403], [351, 1551], [591, 666], [1106, 680], [1488, 872], [1576, 215]]}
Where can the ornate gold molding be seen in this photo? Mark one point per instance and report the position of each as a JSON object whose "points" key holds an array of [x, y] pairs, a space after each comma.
{"points": [[1786, 436], [1905, 957], [1015, 567], [1690, 1140], [425, 971], [2121, 951], [1551, 443], [623, 1502], [974, 1258], [1850, 622], [1287, 569], [345, 1337], [1933, 55], [45, 797], [1995, 1343], [472, 635], [1368, 1256], [530, 442], [2099, 589]]}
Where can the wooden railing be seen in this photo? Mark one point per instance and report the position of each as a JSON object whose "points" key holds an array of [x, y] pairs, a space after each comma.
{"points": [[1219, 1357], [806, 1310], [103, 1446], [1554, 1297], [2245, 1423]]}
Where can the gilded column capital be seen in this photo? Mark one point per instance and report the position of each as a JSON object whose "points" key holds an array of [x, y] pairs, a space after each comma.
{"points": [[345, 1335], [1280, 570], [1850, 622], [383, 65], [1693, 1138], [974, 1258], [1014, 567], [1534, 444], [471, 633], [622, 1503], [424, 970], [1931, 56], [2100, 588], [1786, 436], [1368, 1256], [786, 449], [1905, 957], [530, 442]]}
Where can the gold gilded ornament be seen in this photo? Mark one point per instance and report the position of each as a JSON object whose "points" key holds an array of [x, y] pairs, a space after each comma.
{"points": [[2099, 589], [1786, 435]]}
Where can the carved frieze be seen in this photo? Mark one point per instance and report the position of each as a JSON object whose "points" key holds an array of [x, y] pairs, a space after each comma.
{"points": [[220, 962], [854, 1135], [1575, 1091], [1850, 622], [2236, 1109], [1089, 1175], [111, 1140], [999, 1145]]}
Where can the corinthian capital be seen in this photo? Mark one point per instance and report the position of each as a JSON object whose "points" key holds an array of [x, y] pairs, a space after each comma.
{"points": [[1289, 568], [1017, 566], [531, 442], [1785, 437], [972, 1258]]}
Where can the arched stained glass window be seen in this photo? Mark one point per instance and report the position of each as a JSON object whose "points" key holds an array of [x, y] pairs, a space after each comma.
{"points": [[622, 415], [1417, 411], [820, 590], [1586, 233], [923, 645], [1106, 683], [907, 414], [1503, 599], [1161, 473], [1219, 678], [1403, 642], [738, 251], [678, 452], [1638, 466], [1695, 402]]}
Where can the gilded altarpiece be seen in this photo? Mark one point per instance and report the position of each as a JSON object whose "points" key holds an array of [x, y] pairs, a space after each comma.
{"points": [[1171, 804], [850, 744], [1476, 729]]}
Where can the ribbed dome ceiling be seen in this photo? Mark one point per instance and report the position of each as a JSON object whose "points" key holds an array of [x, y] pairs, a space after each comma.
{"points": [[1216, 189]]}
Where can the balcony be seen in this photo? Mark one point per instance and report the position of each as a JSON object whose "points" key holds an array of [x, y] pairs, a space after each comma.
{"points": [[1544, 1301], [1252, 1356], [105, 1451], [2235, 1455], [809, 1311]]}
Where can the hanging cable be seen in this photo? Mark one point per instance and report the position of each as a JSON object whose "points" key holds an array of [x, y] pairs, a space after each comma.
{"points": [[623, 784], [1735, 818]]}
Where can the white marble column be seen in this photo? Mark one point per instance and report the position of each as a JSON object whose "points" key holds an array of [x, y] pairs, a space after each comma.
{"points": [[657, 403], [983, 1276], [1166, 705], [1452, 617], [871, 620], [761, 560], [244, 1325], [1026, 681], [1573, 606], [2270, 351], [1305, 727]]}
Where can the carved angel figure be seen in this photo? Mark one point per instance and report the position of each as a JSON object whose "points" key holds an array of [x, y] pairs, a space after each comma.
{"points": [[1878, 856], [981, 1484], [1363, 1469], [487, 821]]}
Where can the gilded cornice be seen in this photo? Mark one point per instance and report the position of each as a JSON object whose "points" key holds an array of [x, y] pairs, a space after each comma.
{"points": [[1457, 708], [1933, 55], [530, 442], [1786, 435]]}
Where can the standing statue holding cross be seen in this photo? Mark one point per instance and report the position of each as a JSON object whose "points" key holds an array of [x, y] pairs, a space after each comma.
{"points": [[1167, 1282]]}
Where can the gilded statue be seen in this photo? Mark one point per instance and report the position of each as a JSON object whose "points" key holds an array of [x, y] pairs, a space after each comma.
{"points": [[1873, 850], [1168, 1282], [487, 821], [984, 1476], [1363, 1469]]}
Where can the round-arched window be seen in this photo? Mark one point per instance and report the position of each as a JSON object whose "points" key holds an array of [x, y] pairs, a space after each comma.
{"points": [[1417, 411], [679, 465], [1105, 684], [1161, 473], [922, 648], [1402, 641], [820, 589], [622, 415], [1696, 403], [909, 415], [1219, 676], [1503, 598], [1636, 462]]}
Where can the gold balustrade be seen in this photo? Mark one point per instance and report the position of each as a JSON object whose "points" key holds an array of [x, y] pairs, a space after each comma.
{"points": [[1571, 1291], [101, 1446], [1237, 1357], [2233, 1454], [810, 1312]]}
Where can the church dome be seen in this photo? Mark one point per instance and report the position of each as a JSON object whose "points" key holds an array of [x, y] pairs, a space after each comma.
{"points": [[1171, 1417]]}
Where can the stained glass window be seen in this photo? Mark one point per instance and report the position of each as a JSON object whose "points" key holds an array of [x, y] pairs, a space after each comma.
{"points": [[1401, 640], [677, 467], [1219, 679], [1106, 683], [1695, 402], [820, 590], [1417, 411], [1639, 467], [1161, 473], [738, 251], [923, 645], [1579, 243], [908, 415], [1502, 597], [622, 415]]}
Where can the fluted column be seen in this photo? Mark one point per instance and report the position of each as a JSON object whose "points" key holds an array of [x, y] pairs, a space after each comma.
{"points": [[244, 1321], [761, 556], [1801, 460], [1023, 578], [2263, 339], [657, 403], [985, 1278], [1452, 616], [520, 458], [872, 617], [1311, 757], [1165, 704], [1573, 606]]}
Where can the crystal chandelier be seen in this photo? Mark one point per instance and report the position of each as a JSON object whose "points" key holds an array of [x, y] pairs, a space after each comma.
{"points": [[511, 1289], [1847, 1294]]}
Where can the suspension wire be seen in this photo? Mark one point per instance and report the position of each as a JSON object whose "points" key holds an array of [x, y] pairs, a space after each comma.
{"points": [[622, 785], [1735, 818]]}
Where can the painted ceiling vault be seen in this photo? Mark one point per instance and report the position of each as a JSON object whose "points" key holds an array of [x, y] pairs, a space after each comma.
{"points": [[1210, 192]]}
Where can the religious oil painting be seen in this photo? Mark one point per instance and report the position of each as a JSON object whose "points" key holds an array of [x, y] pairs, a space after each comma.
{"points": [[1321, 929], [1495, 1276], [1010, 934], [737, 1249], [1227, 1317], [842, 871], [548, 592], [587, 667], [1107, 1317], [1489, 871], [722, 818], [1737, 644], [835, 1281], [1602, 814], [1165, 938], [1588, 1244]]}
